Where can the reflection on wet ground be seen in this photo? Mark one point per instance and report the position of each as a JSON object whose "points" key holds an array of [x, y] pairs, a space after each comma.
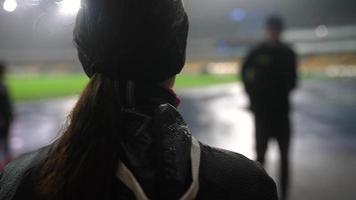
{"points": [[38, 123], [324, 146]]}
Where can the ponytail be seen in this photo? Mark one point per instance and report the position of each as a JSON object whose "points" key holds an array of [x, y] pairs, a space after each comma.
{"points": [[81, 164]]}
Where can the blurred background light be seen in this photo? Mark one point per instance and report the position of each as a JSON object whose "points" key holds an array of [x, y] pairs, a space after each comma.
{"points": [[238, 14], [223, 46], [10, 5], [69, 7], [321, 31]]}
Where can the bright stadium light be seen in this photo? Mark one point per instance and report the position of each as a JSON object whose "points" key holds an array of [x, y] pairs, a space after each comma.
{"points": [[69, 7], [10, 5]]}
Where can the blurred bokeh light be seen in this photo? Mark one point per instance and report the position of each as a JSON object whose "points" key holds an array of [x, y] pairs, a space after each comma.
{"points": [[10, 5]]}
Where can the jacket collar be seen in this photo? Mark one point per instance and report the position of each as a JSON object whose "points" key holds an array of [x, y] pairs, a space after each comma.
{"points": [[157, 150]]}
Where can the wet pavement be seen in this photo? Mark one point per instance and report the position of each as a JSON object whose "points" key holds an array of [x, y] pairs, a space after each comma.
{"points": [[324, 140], [38, 123]]}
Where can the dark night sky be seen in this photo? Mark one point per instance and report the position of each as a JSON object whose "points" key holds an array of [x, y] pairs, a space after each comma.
{"points": [[33, 30]]}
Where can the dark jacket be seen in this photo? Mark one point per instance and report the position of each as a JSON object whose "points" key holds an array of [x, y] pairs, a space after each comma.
{"points": [[6, 114], [269, 74], [223, 174]]}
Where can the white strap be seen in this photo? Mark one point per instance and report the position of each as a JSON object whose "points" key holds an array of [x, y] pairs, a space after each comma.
{"points": [[127, 177], [195, 157]]}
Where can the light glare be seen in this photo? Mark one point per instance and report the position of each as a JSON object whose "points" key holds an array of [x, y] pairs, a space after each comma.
{"points": [[69, 7], [321, 31], [10, 5]]}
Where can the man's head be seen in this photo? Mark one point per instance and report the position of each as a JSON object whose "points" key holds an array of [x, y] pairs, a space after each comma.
{"points": [[274, 28]]}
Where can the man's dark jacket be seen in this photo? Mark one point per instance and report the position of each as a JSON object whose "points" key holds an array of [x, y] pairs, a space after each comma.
{"points": [[269, 74], [223, 174]]}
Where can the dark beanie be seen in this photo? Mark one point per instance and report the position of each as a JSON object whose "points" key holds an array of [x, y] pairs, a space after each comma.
{"points": [[275, 23], [143, 40]]}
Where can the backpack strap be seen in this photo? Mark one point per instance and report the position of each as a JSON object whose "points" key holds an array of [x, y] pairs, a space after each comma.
{"points": [[128, 178]]}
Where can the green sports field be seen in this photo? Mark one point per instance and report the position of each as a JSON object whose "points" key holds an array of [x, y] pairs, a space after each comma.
{"points": [[37, 87]]}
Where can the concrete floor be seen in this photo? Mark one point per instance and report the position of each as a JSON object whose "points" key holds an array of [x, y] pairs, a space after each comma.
{"points": [[323, 147]]}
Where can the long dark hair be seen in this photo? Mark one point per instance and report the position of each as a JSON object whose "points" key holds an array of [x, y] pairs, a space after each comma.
{"points": [[81, 163]]}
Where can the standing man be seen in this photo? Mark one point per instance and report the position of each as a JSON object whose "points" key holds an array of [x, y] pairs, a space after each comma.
{"points": [[5, 113], [269, 74]]}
